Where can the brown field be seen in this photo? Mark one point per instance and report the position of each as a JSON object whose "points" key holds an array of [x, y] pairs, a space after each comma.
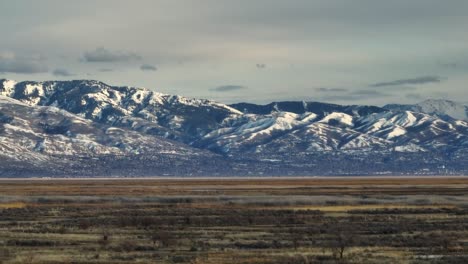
{"points": [[275, 220]]}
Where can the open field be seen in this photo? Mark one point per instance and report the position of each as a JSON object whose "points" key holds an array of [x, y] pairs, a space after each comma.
{"points": [[278, 221]]}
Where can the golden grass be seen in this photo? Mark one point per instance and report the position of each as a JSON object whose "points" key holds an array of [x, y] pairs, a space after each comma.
{"points": [[267, 186], [12, 205], [53, 218], [345, 208]]}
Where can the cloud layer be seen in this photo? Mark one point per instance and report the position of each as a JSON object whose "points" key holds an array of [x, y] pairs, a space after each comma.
{"points": [[228, 88], [104, 55], [62, 73], [278, 52], [148, 67], [413, 81], [323, 89]]}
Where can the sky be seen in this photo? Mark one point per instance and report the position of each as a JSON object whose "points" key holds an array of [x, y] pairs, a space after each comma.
{"points": [[338, 51]]}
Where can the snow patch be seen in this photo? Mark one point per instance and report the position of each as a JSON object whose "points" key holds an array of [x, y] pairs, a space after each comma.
{"points": [[396, 132], [409, 148], [340, 117], [8, 87]]}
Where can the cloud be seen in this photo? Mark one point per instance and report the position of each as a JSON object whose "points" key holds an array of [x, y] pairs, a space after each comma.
{"points": [[301, 43], [260, 66], [147, 67], [228, 88], [10, 63], [106, 70], [369, 94], [415, 81], [62, 72], [104, 55], [331, 89]]}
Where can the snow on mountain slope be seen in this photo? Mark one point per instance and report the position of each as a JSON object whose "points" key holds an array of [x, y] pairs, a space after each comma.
{"points": [[7, 86], [114, 120], [249, 130], [288, 132], [320, 137], [441, 108], [37, 133], [141, 109], [338, 117], [445, 107], [426, 131]]}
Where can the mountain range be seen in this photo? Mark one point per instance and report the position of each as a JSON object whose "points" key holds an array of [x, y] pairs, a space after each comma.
{"points": [[89, 128]]}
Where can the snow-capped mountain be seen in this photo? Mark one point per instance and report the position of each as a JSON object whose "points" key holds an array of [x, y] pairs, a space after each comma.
{"points": [[310, 132], [150, 133], [441, 108], [48, 138], [51, 131], [140, 109]]}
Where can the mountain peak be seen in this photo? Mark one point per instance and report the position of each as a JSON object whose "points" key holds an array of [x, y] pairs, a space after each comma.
{"points": [[439, 107], [443, 107]]}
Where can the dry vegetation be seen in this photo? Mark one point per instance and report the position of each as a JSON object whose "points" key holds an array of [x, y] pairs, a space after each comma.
{"points": [[278, 221]]}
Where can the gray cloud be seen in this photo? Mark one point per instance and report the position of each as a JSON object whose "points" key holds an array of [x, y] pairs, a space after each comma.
{"points": [[414, 81], [260, 66], [148, 67], [10, 63], [106, 70], [104, 55], [322, 89], [62, 72], [369, 93], [228, 88]]}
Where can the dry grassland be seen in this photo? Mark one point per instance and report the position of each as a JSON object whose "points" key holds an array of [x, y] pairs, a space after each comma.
{"points": [[277, 221]]}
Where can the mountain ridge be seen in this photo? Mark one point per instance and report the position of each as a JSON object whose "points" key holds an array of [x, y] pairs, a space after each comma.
{"points": [[296, 138], [439, 107]]}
